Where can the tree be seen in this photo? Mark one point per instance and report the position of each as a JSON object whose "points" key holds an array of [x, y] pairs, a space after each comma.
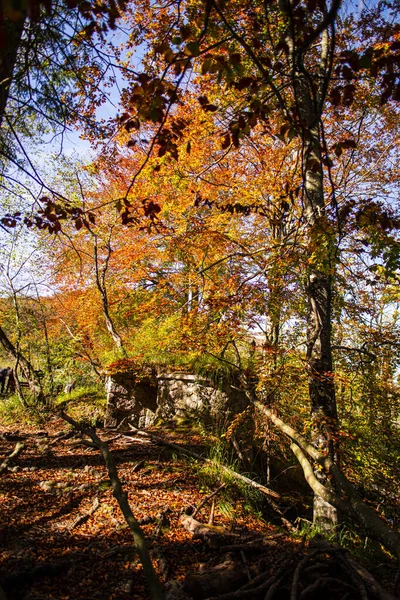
{"points": [[15, 274], [294, 63]]}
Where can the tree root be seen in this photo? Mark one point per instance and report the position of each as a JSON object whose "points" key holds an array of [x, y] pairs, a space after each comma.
{"points": [[353, 506], [19, 446], [341, 577]]}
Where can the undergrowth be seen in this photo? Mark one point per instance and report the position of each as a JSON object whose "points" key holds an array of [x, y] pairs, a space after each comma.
{"points": [[13, 413], [85, 404]]}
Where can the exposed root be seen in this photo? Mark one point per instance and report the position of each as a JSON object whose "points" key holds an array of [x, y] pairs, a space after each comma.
{"points": [[325, 570], [19, 446]]}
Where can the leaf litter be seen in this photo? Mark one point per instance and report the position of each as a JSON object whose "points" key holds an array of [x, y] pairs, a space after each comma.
{"points": [[63, 536]]}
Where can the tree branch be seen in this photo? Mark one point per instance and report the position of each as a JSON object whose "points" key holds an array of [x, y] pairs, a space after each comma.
{"points": [[156, 590]]}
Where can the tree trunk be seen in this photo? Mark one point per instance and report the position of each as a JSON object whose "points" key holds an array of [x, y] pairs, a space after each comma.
{"points": [[12, 33], [25, 366], [101, 272], [319, 291]]}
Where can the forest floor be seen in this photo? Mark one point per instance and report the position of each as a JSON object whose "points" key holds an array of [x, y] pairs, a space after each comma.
{"points": [[62, 534]]}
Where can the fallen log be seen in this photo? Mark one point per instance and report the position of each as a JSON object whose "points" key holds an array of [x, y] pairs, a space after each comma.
{"points": [[200, 529], [191, 454]]}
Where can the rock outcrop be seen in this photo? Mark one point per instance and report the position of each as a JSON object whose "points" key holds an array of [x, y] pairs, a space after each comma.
{"points": [[169, 394], [130, 398]]}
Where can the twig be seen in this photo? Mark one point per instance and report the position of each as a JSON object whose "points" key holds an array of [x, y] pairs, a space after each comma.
{"points": [[246, 566], [235, 444], [244, 548], [62, 437], [82, 518], [19, 446], [285, 522], [212, 513], [207, 499], [138, 466]]}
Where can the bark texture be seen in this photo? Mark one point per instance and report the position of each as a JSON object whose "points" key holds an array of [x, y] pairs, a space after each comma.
{"points": [[8, 57]]}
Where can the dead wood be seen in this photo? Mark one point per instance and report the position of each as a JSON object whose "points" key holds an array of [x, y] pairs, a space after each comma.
{"points": [[285, 522], [19, 446], [246, 547], [207, 499], [139, 465], [10, 436], [156, 589], [146, 520], [212, 513], [237, 448], [62, 436], [200, 529], [162, 521], [83, 444], [83, 518], [223, 468], [269, 493], [245, 565]]}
